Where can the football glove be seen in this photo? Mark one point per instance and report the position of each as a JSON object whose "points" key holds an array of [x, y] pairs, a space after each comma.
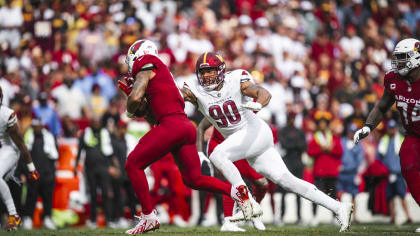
{"points": [[253, 106], [33, 174], [126, 85], [361, 134]]}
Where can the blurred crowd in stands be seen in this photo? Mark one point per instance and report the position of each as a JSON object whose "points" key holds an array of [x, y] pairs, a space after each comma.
{"points": [[323, 62]]}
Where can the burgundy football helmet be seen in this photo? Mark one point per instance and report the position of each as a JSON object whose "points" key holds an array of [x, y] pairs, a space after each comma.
{"points": [[206, 61]]}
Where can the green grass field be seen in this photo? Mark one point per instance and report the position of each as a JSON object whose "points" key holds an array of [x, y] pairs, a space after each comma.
{"points": [[369, 230]]}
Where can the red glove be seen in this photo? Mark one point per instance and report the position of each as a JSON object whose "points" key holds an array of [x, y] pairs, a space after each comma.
{"points": [[126, 85], [33, 175]]}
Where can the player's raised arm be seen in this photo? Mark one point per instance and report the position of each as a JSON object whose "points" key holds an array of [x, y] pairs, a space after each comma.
{"points": [[375, 116], [255, 91], [139, 88]]}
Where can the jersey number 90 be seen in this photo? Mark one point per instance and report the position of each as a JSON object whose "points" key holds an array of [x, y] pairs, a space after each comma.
{"points": [[228, 111]]}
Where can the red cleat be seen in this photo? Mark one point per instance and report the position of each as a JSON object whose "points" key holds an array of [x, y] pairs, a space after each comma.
{"points": [[145, 224]]}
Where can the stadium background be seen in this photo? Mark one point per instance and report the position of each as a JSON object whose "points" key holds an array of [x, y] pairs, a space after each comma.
{"points": [[335, 53]]}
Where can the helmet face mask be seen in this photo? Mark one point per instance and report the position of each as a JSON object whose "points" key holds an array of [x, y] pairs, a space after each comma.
{"points": [[210, 69], [208, 78], [406, 56], [138, 49]]}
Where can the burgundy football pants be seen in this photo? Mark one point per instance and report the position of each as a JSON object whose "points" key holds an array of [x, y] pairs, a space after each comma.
{"points": [[177, 135], [410, 165]]}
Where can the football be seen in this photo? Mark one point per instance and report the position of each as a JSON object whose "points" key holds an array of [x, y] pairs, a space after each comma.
{"points": [[142, 110]]}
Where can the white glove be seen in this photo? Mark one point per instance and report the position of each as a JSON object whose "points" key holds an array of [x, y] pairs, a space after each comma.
{"points": [[361, 134], [253, 106]]}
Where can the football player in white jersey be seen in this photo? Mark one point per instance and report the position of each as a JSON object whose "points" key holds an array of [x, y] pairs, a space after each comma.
{"points": [[226, 101], [11, 146]]}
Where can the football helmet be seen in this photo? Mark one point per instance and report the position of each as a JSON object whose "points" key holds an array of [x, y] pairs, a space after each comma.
{"points": [[209, 60], [406, 56], [138, 49]]}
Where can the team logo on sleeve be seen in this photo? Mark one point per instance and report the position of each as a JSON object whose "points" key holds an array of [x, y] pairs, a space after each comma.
{"points": [[393, 86]]}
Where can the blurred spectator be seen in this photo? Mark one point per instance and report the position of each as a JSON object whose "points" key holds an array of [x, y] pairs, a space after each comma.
{"points": [[96, 142], [111, 117], [97, 78], [41, 144], [326, 150], [48, 115], [349, 178], [97, 103], [91, 40], [388, 149], [10, 20], [293, 141], [352, 44], [70, 99], [8, 90]]}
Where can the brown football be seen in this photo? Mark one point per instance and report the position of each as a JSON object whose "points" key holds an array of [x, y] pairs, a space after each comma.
{"points": [[141, 111]]}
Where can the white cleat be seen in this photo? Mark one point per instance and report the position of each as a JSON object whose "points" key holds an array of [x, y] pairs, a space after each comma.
{"points": [[241, 196], [417, 230], [49, 223], [145, 224], [229, 226], [27, 223], [256, 212], [258, 224], [344, 216]]}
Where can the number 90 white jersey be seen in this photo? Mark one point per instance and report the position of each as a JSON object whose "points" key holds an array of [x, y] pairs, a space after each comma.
{"points": [[223, 108]]}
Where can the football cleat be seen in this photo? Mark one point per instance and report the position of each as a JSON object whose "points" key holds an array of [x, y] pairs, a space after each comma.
{"points": [[344, 216], [145, 224], [229, 226], [241, 196], [14, 222], [258, 224], [256, 211]]}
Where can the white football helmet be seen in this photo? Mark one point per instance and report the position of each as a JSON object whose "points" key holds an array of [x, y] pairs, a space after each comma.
{"points": [[138, 49], [406, 56]]}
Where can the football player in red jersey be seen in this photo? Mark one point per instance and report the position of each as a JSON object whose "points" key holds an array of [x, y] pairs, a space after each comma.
{"points": [[260, 183], [152, 81], [402, 86]]}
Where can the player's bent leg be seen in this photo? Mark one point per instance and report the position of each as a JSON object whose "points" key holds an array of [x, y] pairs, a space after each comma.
{"points": [[150, 148], [410, 165], [271, 165], [220, 160], [188, 162]]}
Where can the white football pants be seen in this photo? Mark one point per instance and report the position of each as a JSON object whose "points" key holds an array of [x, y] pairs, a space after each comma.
{"points": [[255, 143], [8, 162]]}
